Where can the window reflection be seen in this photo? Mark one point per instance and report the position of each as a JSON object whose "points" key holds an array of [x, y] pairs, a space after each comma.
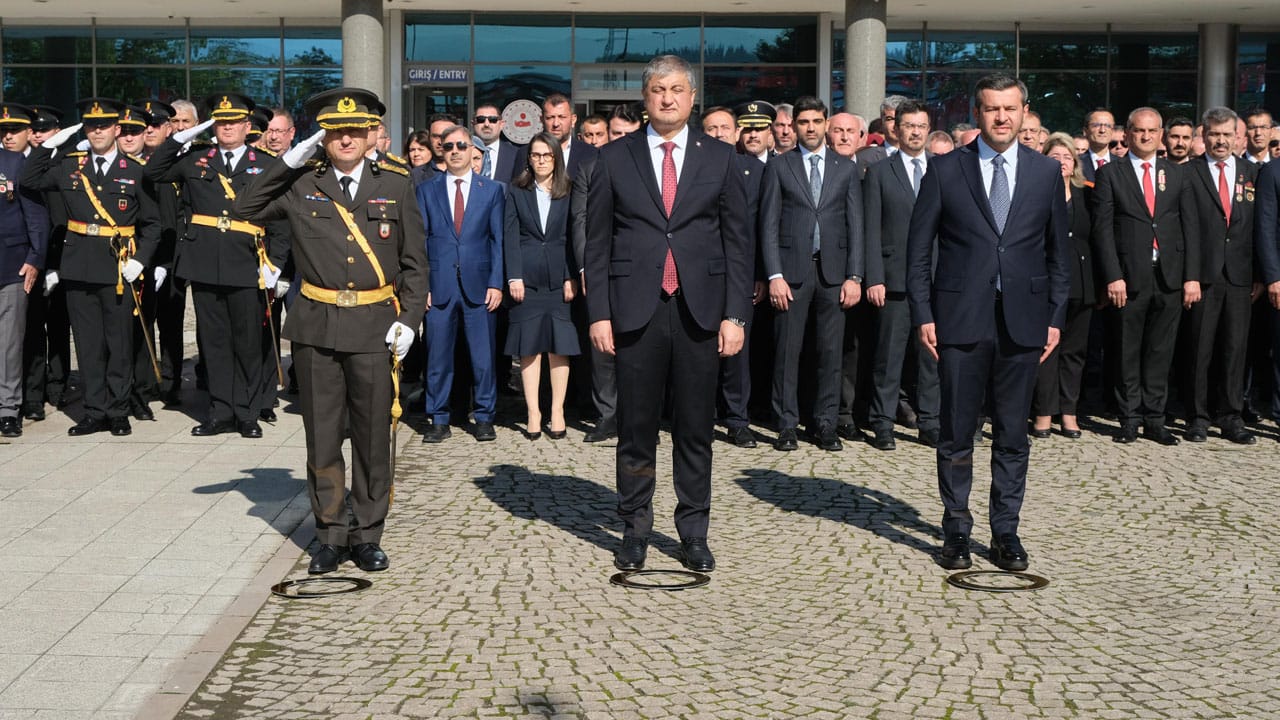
{"points": [[46, 45], [314, 47], [131, 84], [261, 85], [60, 87], [440, 37], [523, 38], [772, 39], [773, 83], [635, 38], [500, 84], [142, 46], [229, 46], [971, 50]]}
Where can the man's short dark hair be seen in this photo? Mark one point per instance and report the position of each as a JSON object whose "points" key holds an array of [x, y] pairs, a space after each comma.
{"points": [[911, 107], [998, 82], [594, 118], [715, 109], [1180, 121], [627, 112], [556, 100], [282, 112], [446, 117], [1217, 116], [1255, 111], [808, 102]]}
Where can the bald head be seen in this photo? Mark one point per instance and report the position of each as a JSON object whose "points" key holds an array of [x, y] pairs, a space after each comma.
{"points": [[846, 133]]}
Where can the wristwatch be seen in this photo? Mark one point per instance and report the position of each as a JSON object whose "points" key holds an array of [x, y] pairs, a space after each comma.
{"points": [[737, 321], [856, 278]]}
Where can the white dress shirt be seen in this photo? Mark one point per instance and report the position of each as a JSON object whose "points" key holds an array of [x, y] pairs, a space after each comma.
{"points": [[985, 155], [1230, 172], [355, 176], [106, 167], [656, 152], [822, 160], [923, 157], [1094, 158], [493, 157], [1136, 164], [236, 155], [451, 188]]}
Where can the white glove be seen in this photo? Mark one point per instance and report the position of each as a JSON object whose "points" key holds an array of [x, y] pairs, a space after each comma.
{"points": [[299, 154], [83, 145], [131, 270], [160, 274], [186, 136], [61, 136], [269, 278], [282, 287], [400, 346], [50, 282]]}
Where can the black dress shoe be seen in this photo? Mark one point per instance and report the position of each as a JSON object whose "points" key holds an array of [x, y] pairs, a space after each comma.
{"points": [[89, 426], [327, 559], [1072, 434], [1126, 435], [930, 436], [1197, 434], [172, 398], [120, 426], [369, 557], [251, 430], [267, 416], [1041, 434], [828, 440], [1249, 416], [601, 432], [696, 556], [1160, 434], [1239, 435], [436, 433], [141, 412], [884, 440], [554, 434], [786, 441], [10, 427], [484, 432], [630, 556], [34, 413], [955, 553], [213, 427], [742, 437], [531, 435], [849, 431], [1007, 553]]}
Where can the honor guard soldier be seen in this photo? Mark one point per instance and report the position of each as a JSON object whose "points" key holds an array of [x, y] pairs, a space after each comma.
{"points": [[24, 235], [112, 231], [225, 259], [258, 121], [360, 252], [46, 349]]}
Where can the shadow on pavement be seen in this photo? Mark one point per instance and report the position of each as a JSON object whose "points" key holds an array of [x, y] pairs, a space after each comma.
{"points": [[269, 489], [875, 511], [577, 506]]}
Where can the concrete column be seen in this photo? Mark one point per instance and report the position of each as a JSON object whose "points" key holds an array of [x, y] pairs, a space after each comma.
{"points": [[363, 56], [864, 54], [1217, 65]]}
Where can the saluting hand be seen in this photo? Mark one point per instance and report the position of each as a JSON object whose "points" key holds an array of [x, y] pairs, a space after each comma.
{"points": [[61, 136], [182, 137]]}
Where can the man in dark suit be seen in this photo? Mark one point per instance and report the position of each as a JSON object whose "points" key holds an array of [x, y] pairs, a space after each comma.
{"points": [[24, 237], [463, 214], [810, 232], [889, 191], [1266, 242], [992, 309], [669, 278], [1148, 250], [1098, 126], [500, 154], [1218, 325]]}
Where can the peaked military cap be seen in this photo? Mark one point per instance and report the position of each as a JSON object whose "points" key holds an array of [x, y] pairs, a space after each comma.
{"points": [[345, 108], [160, 112], [135, 116], [98, 111], [258, 121], [228, 106], [755, 114], [45, 117], [15, 116]]}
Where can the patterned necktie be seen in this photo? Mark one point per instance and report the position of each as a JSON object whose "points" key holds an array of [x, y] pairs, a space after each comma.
{"points": [[999, 197], [345, 182], [917, 175], [231, 159], [459, 206], [1224, 194], [670, 279], [487, 169], [815, 190], [1149, 194]]}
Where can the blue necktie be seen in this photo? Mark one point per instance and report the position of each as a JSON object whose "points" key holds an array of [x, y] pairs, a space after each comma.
{"points": [[999, 197], [815, 189]]}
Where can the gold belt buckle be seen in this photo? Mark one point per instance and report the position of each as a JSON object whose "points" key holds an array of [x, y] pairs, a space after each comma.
{"points": [[224, 224], [346, 298], [92, 229]]}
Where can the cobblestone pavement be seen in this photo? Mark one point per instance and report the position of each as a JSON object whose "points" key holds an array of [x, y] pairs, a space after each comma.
{"points": [[826, 602]]}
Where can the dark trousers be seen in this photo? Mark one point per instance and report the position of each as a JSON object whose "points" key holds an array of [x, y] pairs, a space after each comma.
{"points": [[999, 369], [1061, 374], [442, 334], [670, 352], [856, 364], [735, 384], [788, 333], [1148, 332], [46, 348], [171, 309], [146, 387], [230, 320], [103, 325], [894, 335], [271, 380], [332, 388], [1219, 332]]}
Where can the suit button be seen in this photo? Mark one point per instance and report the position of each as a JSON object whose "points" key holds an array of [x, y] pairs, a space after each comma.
{"points": [[350, 260], [224, 212], [1000, 249], [1070, 234], [350, 239], [313, 213], [668, 236], [351, 286]]}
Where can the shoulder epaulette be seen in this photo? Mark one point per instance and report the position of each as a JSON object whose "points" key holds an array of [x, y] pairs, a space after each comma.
{"points": [[393, 168], [75, 153], [135, 158], [266, 152], [396, 159]]}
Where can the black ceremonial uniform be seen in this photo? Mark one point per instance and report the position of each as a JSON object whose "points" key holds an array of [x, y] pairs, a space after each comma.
{"points": [[339, 322], [220, 256]]}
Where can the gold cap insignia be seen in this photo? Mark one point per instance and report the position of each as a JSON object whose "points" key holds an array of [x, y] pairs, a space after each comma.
{"points": [[6, 113], [753, 107], [148, 106], [225, 104], [346, 105], [96, 109]]}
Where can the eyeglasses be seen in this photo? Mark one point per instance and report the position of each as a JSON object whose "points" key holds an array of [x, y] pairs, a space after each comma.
{"points": [[913, 126], [541, 156], [1101, 126], [1251, 128], [279, 131], [488, 119], [449, 146]]}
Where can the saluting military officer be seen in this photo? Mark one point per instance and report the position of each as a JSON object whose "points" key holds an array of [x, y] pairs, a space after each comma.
{"points": [[360, 249], [224, 258], [112, 230]]}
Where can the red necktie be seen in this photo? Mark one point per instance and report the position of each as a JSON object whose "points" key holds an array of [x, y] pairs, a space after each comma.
{"points": [[1223, 193], [1149, 194], [670, 280], [1101, 162], [459, 206]]}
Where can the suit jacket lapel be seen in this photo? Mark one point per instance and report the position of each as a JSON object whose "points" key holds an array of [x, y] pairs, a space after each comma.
{"points": [[1020, 185], [692, 164], [1124, 168], [555, 216], [644, 167], [900, 173], [798, 167], [528, 200], [973, 176], [1205, 175]]}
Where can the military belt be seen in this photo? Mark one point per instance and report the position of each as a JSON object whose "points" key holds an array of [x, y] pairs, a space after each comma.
{"points": [[347, 298], [96, 230], [225, 223]]}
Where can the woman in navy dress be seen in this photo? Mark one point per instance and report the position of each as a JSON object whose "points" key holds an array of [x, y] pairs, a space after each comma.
{"points": [[539, 281]]}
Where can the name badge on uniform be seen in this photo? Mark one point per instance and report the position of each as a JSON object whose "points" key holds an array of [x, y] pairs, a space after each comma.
{"points": [[384, 230]]}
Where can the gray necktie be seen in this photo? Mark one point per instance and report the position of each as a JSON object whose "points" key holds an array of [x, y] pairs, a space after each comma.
{"points": [[487, 169], [999, 197], [815, 189], [917, 175]]}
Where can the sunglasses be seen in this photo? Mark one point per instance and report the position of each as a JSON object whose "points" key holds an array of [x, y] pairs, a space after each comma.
{"points": [[487, 119], [1274, 143], [449, 146], [1117, 144], [131, 130]]}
